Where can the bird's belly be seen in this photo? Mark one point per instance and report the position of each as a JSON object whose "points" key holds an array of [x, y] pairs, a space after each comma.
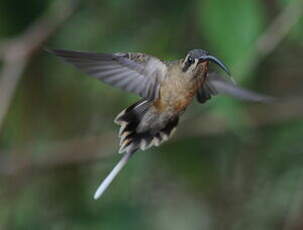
{"points": [[174, 101], [179, 104]]}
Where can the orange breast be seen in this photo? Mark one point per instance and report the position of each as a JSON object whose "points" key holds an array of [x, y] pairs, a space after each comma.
{"points": [[181, 105], [177, 92], [175, 99]]}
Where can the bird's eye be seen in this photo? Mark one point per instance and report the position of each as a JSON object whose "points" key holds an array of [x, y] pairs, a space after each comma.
{"points": [[190, 60]]}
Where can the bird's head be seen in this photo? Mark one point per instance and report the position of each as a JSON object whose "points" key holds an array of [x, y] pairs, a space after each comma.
{"points": [[197, 60]]}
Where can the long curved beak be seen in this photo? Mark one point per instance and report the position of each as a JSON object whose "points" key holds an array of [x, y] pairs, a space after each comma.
{"points": [[215, 60]]}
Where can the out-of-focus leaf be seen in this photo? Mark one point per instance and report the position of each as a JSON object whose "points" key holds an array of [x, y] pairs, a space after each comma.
{"points": [[231, 28]]}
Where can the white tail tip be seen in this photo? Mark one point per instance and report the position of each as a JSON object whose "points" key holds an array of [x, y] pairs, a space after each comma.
{"points": [[111, 176]]}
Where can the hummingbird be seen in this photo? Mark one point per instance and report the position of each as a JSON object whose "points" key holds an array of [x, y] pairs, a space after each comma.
{"points": [[166, 89]]}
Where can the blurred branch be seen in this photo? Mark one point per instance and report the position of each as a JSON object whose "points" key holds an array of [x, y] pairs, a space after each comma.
{"points": [[269, 40], [91, 149], [16, 52], [279, 28], [21, 160]]}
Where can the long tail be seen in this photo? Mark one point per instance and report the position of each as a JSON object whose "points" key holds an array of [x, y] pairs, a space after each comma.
{"points": [[111, 176], [131, 139]]}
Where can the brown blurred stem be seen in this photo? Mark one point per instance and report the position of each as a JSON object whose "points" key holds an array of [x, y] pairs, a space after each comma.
{"points": [[17, 52], [275, 33], [279, 28]]}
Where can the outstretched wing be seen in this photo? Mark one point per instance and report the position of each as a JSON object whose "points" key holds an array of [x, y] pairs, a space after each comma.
{"points": [[216, 84], [133, 72]]}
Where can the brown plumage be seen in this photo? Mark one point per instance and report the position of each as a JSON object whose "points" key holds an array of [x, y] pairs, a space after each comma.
{"points": [[166, 88]]}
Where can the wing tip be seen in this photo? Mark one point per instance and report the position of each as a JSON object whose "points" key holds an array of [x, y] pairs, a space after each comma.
{"points": [[58, 52], [269, 100], [53, 51]]}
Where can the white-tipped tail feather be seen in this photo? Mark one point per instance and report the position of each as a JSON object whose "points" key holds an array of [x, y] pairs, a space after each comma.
{"points": [[111, 176], [133, 136], [132, 140]]}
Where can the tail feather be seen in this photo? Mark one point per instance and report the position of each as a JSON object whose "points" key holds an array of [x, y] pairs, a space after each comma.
{"points": [[130, 118], [111, 176], [132, 113], [131, 140]]}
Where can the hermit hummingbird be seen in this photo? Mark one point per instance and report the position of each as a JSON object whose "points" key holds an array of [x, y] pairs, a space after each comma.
{"points": [[166, 88]]}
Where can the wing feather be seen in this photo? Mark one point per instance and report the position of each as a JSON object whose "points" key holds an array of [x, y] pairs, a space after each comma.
{"points": [[216, 84], [133, 72]]}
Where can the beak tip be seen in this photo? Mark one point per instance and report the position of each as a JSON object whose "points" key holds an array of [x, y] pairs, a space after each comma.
{"points": [[225, 69], [218, 62]]}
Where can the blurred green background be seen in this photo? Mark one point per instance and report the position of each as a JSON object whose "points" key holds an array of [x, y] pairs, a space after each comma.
{"points": [[230, 165]]}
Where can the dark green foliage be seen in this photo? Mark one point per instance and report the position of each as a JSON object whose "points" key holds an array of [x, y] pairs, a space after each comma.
{"points": [[245, 172]]}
